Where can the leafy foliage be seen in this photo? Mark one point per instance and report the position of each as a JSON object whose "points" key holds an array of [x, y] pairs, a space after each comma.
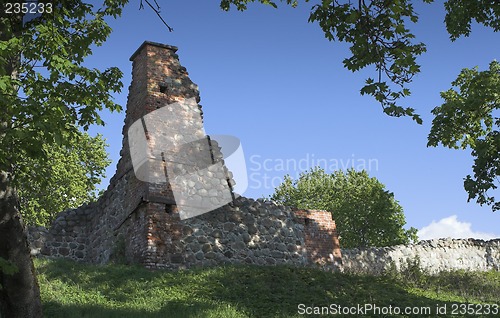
{"points": [[379, 37], [365, 213], [67, 182], [469, 117], [47, 96], [461, 13], [46, 90], [7, 268], [378, 34]]}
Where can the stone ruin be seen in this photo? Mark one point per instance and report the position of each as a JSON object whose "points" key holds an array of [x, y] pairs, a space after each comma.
{"points": [[139, 222]]}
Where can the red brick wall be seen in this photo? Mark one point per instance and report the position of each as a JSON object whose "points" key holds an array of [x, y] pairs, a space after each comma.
{"points": [[321, 237]]}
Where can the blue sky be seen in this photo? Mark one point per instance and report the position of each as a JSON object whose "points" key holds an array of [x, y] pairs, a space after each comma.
{"points": [[270, 78]]}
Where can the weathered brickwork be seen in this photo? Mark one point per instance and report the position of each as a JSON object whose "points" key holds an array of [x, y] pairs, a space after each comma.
{"points": [[320, 236], [138, 222]]}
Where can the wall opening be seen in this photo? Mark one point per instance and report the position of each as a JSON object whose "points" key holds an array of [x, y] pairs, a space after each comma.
{"points": [[170, 208], [163, 88]]}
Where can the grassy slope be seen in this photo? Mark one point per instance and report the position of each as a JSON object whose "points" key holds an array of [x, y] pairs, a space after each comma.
{"points": [[74, 290]]}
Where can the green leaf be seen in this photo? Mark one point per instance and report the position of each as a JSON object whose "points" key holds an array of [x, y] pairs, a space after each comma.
{"points": [[6, 267]]}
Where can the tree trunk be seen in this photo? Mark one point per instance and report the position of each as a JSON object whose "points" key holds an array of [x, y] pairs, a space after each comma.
{"points": [[19, 294]]}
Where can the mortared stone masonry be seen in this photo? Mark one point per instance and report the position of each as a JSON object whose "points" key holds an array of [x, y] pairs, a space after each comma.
{"points": [[138, 222]]}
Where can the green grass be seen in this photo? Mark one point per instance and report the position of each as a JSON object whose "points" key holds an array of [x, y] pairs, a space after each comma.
{"points": [[71, 289]]}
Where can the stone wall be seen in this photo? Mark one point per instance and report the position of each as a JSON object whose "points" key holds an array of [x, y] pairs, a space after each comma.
{"points": [[67, 237], [245, 231], [434, 255], [136, 221], [139, 222]]}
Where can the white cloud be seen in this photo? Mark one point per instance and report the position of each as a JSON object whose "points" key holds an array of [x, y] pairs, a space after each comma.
{"points": [[451, 227]]}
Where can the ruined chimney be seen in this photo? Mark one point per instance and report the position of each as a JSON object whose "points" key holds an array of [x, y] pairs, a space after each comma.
{"points": [[170, 150]]}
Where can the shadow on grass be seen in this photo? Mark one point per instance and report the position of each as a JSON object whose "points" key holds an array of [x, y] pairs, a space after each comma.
{"points": [[232, 291], [172, 309]]}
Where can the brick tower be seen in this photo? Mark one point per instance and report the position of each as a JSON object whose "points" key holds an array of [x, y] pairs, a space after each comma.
{"points": [[176, 156], [166, 206]]}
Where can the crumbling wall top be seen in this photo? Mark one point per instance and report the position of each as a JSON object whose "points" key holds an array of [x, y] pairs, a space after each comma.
{"points": [[166, 46]]}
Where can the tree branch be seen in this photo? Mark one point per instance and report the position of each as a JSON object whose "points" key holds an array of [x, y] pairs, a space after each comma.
{"points": [[157, 11]]}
